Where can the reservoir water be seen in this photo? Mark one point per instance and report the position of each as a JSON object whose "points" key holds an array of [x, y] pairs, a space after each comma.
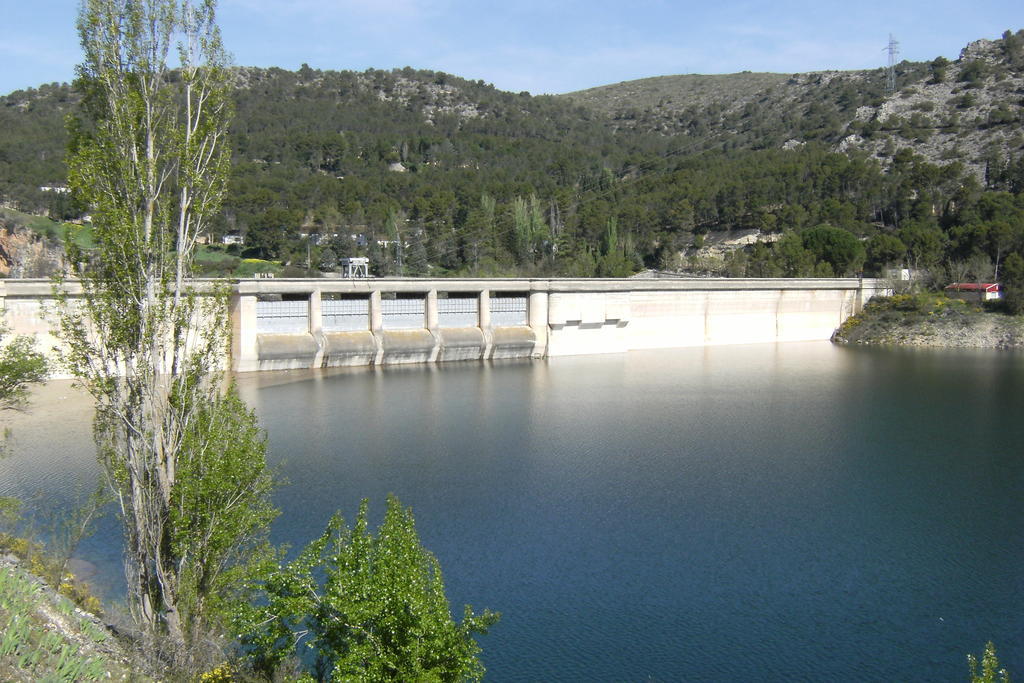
{"points": [[770, 512]]}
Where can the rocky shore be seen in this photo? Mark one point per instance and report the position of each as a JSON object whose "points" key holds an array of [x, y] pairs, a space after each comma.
{"points": [[931, 320]]}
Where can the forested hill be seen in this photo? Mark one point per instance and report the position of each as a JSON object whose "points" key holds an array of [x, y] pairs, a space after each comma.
{"points": [[347, 123], [430, 173], [968, 109]]}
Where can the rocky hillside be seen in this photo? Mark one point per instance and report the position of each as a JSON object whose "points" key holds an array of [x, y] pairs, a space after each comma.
{"points": [[430, 94], [24, 255], [667, 104], [970, 109], [25, 251]]}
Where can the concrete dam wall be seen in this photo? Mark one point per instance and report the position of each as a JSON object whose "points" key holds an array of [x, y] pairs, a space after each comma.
{"points": [[322, 323], [285, 324]]}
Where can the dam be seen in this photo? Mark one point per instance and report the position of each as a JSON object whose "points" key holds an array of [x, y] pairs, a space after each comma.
{"points": [[280, 324]]}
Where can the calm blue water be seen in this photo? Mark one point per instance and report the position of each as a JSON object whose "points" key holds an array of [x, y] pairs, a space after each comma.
{"points": [[789, 512]]}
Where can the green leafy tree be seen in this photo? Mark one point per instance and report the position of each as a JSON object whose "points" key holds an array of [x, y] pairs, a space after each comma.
{"points": [[1001, 237], [183, 457], [792, 257], [531, 235], [614, 261], [925, 243], [328, 259], [293, 168], [394, 225], [21, 365], [1013, 282], [836, 247], [973, 72], [938, 68], [759, 263], [989, 671], [380, 614], [479, 230], [416, 257], [884, 250], [269, 231], [379, 263]]}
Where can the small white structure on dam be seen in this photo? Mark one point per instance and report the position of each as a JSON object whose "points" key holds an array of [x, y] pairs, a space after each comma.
{"points": [[286, 324]]}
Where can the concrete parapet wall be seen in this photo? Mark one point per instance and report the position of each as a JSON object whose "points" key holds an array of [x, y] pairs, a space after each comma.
{"points": [[563, 317]]}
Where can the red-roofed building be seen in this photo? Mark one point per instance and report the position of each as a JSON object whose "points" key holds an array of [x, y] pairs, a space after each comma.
{"points": [[975, 291]]}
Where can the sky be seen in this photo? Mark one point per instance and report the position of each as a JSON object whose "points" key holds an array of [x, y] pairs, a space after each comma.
{"points": [[542, 46]]}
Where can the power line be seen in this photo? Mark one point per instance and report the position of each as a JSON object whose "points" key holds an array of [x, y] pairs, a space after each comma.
{"points": [[890, 77]]}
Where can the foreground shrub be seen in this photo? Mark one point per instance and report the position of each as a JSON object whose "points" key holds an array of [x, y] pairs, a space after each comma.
{"points": [[380, 613], [989, 671]]}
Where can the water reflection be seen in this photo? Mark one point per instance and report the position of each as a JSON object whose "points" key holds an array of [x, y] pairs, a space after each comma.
{"points": [[791, 511]]}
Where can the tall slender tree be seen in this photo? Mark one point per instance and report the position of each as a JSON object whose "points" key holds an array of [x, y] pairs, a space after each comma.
{"points": [[182, 453]]}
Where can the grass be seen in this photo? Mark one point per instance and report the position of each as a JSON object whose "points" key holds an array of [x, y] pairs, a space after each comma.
{"points": [[32, 648], [40, 563], [79, 234], [213, 253], [37, 224], [52, 230], [250, 266]]}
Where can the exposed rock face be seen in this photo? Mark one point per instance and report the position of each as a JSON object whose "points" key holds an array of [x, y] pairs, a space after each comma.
{"points": [[23, 254], [969, 121], [980, 49], [406, 88]]}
